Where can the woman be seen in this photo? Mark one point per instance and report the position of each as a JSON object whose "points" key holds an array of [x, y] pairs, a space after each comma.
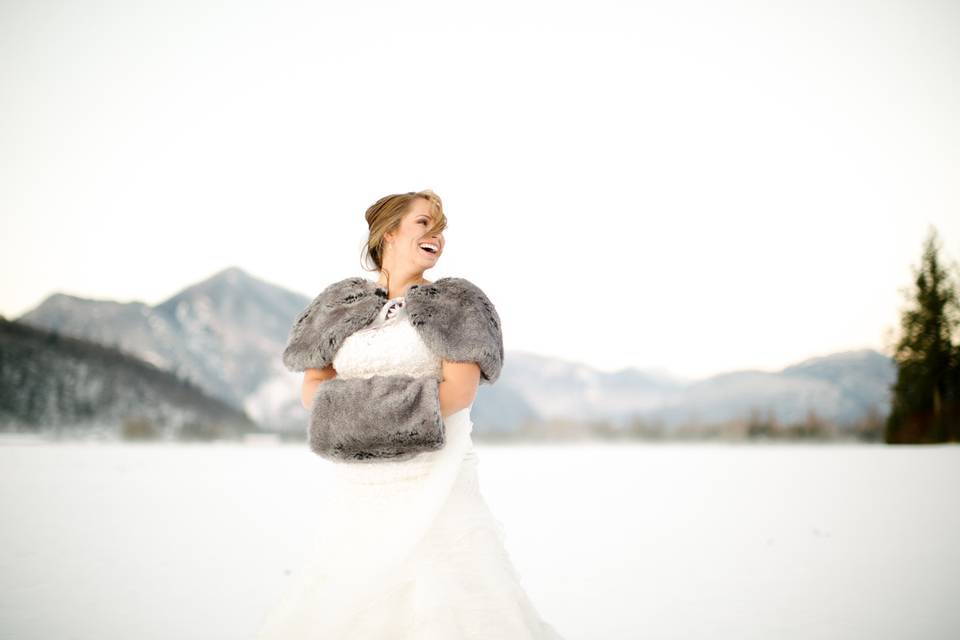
{"points": [[409, 548]]}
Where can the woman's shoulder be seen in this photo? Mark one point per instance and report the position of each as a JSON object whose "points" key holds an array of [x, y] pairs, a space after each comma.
{"points": [[452, 298], [348, 290], [350, 283], [458, 322], [335, 313], [454, 287]]}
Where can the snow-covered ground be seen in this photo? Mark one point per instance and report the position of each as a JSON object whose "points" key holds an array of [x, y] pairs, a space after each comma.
{"points": [[181, 541]]}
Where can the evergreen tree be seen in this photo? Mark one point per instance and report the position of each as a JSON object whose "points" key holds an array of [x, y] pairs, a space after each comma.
{"points": [[926, 395]]}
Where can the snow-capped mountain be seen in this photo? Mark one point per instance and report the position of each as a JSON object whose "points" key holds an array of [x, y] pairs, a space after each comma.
{"points": [[226, 334], [840, 388], [53, 382]]}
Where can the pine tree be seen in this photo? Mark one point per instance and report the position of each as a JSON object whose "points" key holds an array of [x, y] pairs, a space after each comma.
{"points": [[926, 395]]}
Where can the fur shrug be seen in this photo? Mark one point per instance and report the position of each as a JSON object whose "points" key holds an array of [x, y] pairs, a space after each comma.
{"points": [[453, 316], [389, 417]]}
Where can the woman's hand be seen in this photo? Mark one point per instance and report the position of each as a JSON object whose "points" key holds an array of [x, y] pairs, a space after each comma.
{"points": [[311, 380], [459, 386]]}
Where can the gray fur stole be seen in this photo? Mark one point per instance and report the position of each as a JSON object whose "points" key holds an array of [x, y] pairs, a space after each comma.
{"points": [[380, 417], [389, 417]]}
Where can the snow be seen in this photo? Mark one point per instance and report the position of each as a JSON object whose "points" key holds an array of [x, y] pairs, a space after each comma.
{"points": [[111, 541]]}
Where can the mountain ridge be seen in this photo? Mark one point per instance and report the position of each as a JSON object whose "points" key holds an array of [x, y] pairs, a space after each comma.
{"points": [[226, 333]]}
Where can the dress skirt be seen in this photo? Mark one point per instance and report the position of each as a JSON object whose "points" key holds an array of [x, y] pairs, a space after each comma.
{"points": [[408, 551]]}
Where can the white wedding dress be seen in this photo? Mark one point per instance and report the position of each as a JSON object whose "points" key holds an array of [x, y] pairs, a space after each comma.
{"points": [[409, 550]]}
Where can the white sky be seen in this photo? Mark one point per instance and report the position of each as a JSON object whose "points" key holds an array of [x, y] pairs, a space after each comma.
{"points": [[694, 187]]}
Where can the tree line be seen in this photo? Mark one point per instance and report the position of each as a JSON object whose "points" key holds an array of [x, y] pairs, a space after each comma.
{"points": [[926, 395]]}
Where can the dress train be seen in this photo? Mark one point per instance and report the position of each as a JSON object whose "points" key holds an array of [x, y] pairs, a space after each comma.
{"points": [[411, 551]]}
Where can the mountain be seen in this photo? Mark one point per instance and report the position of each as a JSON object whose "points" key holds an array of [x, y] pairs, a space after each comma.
{"points": [[841, 388], [558, 388], [48, 380], [226, 335]]}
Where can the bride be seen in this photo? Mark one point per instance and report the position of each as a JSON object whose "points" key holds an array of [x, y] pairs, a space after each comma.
{"points": [[409, 548]]}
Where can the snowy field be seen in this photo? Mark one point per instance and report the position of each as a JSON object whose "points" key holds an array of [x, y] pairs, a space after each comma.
{"points": [[182, 542]]}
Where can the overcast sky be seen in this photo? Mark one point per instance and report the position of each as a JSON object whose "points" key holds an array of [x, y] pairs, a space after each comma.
{"points": [[686, 186]]}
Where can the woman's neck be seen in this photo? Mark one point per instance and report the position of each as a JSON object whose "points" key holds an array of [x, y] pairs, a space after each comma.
{"points": [[398, 286]]}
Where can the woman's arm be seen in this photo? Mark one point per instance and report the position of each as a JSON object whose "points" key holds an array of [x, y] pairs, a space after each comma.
{"points": [[459, 386], [311, 380], [457, 389]]}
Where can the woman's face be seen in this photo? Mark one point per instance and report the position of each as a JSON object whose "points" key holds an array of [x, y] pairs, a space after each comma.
{"points": [[407, 240]]}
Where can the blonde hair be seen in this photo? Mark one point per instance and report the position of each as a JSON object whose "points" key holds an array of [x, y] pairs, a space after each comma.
{"points": [[384, 216]]}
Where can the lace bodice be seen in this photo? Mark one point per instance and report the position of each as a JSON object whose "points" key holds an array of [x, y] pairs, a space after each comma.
{"points": [[389, 345]]}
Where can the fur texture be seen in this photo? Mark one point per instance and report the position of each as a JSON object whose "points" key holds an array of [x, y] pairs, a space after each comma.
{"points": [[458, 322], [380, 417], [338, 311], [390, 417], [453, 316]]}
